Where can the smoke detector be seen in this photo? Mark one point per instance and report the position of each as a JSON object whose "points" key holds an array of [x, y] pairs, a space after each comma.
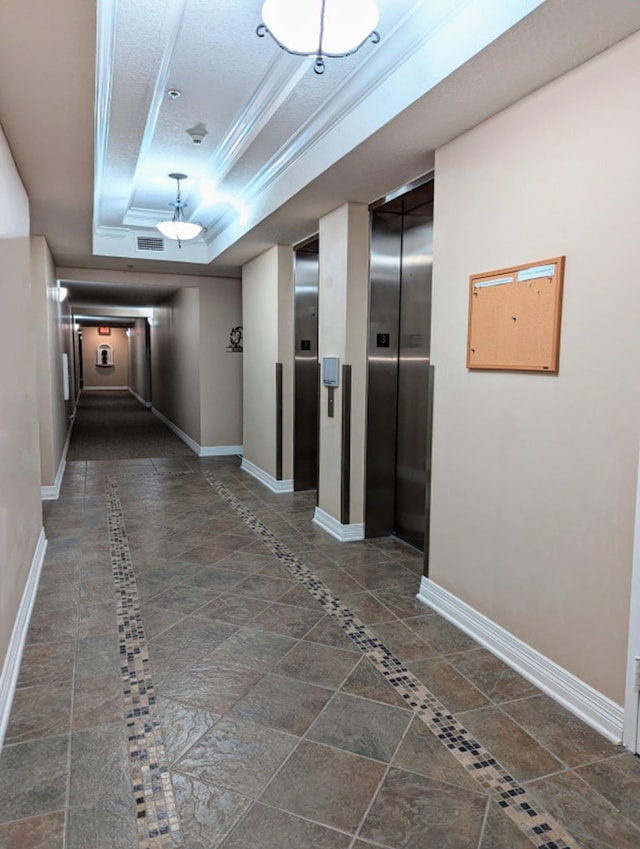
{"points": [[197, 133]]}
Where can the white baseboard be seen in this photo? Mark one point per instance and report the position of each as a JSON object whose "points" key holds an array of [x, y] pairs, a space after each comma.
{"points": [[265, 478], [578, 697], [193, 445], [106, 388], [140, 399], [344, 533], [220, 450], [52, 493], [11, 667], [200, 450]]}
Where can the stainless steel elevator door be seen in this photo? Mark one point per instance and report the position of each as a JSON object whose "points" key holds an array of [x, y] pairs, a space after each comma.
{"points": [[413, 376], [384, 308], [399, 379], [305, 437]]}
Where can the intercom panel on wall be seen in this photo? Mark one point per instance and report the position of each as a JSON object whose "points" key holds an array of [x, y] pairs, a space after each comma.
{"points": [[331, 371]]}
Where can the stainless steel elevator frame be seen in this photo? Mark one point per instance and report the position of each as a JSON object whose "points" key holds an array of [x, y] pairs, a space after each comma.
{"points": [[306, 380]]}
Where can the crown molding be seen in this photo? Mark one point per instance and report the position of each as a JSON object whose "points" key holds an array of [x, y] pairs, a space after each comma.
{"points": [[162, 82], [105, 53], [426, 47]]}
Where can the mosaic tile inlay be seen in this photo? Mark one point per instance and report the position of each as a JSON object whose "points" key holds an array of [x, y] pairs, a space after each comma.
{"points": [[157, 819], [516, 802]]}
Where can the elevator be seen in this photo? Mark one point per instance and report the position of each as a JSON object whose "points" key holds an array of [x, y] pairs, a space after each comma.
{"points": [[305, 434], [400, 376]]}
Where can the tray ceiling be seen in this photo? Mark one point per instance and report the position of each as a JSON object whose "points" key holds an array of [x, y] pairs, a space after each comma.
{"points": [[84, 104]]}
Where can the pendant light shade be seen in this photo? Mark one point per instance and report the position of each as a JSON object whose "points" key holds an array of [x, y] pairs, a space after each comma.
{"points": [[179, 231], [177, 228], [320, 27]]}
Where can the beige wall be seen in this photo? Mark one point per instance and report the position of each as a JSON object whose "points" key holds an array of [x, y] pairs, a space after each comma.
{"points": [[66, 339], [76, 358], [195, 382], [267, 310], [52, 323], [103, 377], [139, 374], [20, 507], [342, 332], [534, 475], [175, 361], [220, 370]]}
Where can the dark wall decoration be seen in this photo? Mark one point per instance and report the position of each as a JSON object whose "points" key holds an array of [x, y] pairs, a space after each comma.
{"points": [[235, 340], [104, 355]]}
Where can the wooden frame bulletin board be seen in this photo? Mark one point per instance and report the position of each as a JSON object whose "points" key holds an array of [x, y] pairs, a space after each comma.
{"points": [[514, 317]]}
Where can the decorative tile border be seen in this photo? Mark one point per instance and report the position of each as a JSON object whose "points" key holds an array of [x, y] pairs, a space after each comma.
{"points": [[517, 803], [142, 471], [157, 819]]}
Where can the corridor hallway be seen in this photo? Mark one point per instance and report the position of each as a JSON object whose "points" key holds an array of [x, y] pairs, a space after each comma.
{"points": [[112, 425], [204, 668]]}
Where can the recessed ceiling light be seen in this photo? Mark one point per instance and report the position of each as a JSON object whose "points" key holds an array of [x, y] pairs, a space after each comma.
{"points": [[173, 94]]}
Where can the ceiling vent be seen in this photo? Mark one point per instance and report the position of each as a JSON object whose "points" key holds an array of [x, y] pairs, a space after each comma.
{"points": [[150, 243]]}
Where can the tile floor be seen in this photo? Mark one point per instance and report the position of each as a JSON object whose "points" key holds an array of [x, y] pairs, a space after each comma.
{"points": [[202, 661]]}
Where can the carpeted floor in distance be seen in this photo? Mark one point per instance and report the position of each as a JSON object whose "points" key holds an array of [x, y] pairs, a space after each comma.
{"points": [[114, 426]]}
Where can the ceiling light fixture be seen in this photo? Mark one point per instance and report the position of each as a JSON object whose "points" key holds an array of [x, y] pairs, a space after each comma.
{"points": [[320, 28], [178, 228]]}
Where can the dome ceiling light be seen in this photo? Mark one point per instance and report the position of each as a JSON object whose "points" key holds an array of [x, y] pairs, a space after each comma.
{"points": [[178, 228], [320, 28]]}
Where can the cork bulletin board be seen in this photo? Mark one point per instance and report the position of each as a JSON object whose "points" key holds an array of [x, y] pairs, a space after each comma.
{"points": [[514, 317]]}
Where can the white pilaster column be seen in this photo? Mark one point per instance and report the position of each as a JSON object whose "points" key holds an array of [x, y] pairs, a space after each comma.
{"points": [[342, 332], [267, 314]]}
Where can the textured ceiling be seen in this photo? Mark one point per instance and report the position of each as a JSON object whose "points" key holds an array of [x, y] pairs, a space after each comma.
{"points": [[258, 108], [83, 102]]}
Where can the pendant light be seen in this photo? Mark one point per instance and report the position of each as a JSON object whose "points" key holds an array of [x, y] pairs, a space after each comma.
{"points": [[178, 228], [320, 28]]}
